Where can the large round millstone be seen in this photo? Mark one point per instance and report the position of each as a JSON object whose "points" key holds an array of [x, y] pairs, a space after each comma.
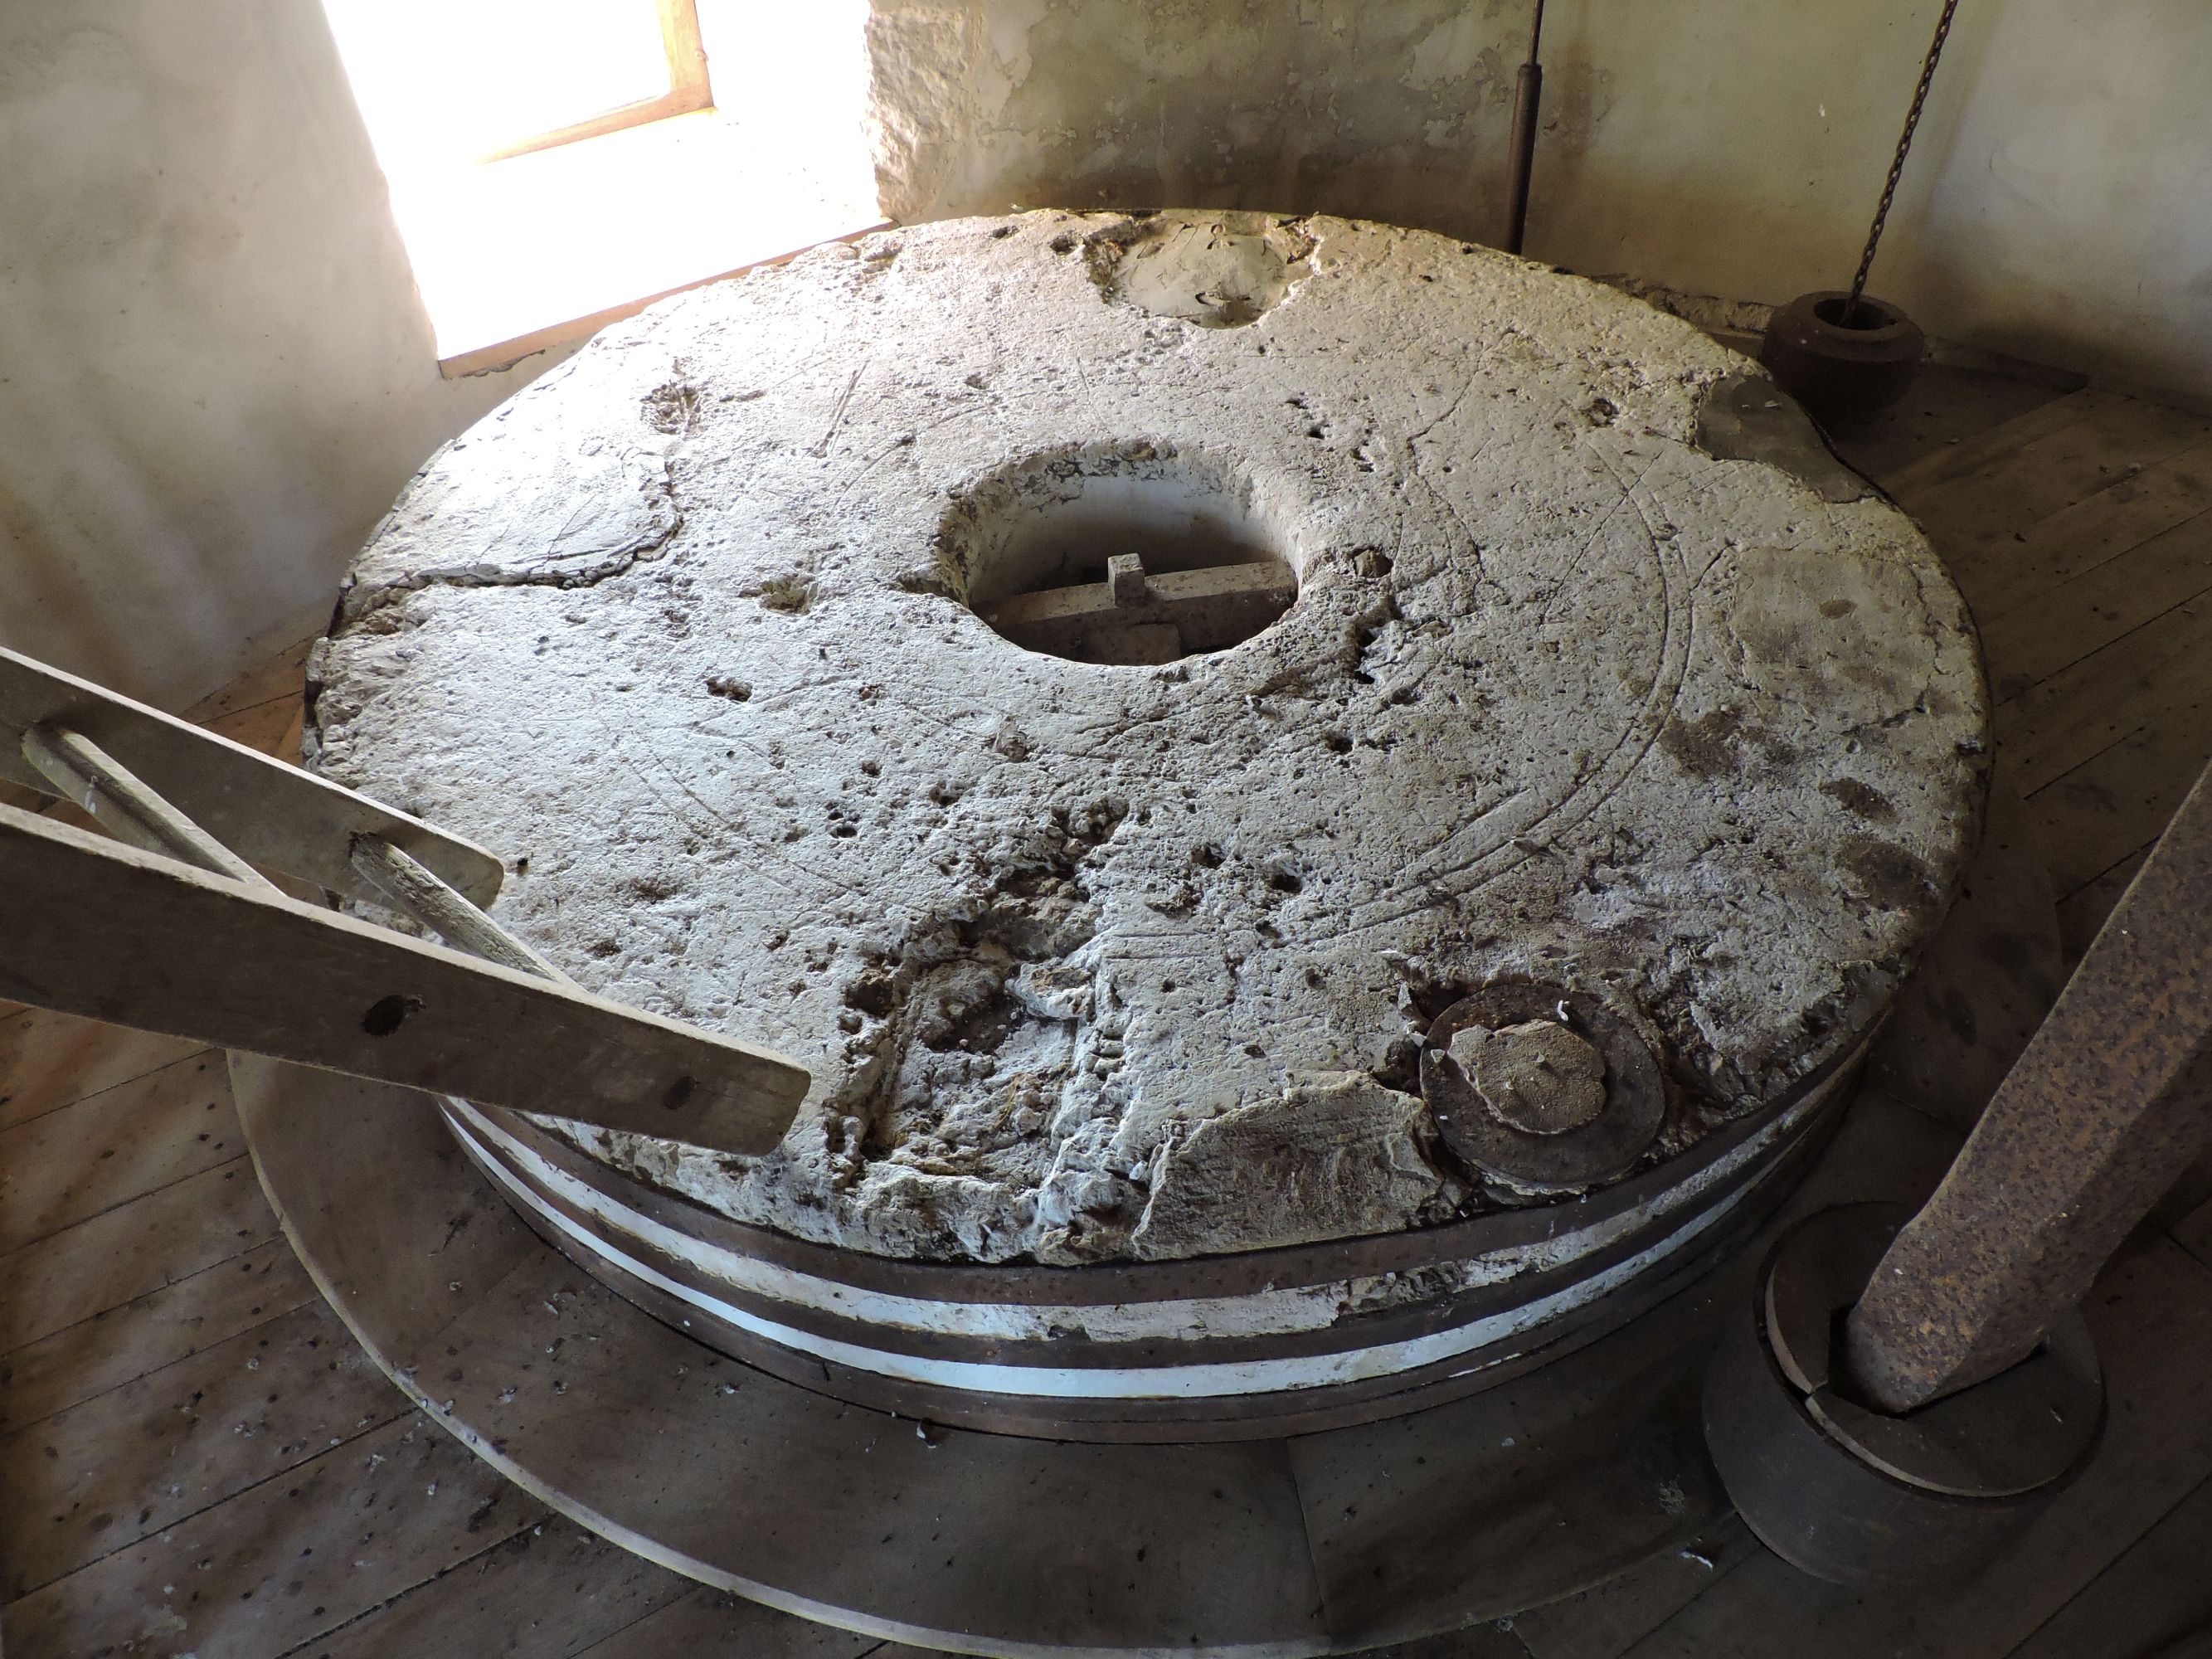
{"points": [[775, 639]]}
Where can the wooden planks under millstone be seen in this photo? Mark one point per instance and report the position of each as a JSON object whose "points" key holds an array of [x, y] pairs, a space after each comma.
{"points": [[109, 1471], [737, 1478], [711, 1624], [101, 930], [544, 1593], [281, 1563], [75, 1165], [47, 1060], [174, 1323], [1996, 445]]}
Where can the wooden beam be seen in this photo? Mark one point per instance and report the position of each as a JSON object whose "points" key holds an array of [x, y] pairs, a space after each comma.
{"points": [[1208, 609], [105, 931], [417, 890], [268, 813], [90, 776]]}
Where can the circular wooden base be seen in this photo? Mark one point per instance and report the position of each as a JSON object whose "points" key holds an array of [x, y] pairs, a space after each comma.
{"points": [[1315, 1543]]}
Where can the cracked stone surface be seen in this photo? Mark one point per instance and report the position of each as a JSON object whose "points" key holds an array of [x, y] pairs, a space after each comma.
{"points": [[1098, 962]]}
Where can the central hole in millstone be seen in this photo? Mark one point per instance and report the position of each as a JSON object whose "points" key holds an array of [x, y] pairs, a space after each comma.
{"points": [[1118, 553]]}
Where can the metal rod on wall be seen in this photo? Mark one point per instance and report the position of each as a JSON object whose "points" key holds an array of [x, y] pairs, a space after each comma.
{"points": [[1527, 94]]}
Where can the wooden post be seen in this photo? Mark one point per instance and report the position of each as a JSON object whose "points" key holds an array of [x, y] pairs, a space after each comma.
{"points": [[2105, 1104]]}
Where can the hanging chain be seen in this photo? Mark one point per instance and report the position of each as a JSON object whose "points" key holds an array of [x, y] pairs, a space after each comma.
{"points": [[1896, 166]]}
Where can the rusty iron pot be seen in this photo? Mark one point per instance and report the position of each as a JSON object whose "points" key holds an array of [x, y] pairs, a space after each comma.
{"points": [[1843, 371]]}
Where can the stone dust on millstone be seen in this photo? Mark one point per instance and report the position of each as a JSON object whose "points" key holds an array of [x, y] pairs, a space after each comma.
{"points": [[1103, 959]]}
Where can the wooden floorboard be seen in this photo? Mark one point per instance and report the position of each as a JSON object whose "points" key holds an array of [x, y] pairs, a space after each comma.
{"points": [[2078, 540], [2144, 1603], [273, 727], [549, 1591], [280, 679], [2030, 481], [1950, 457], [164, 1503], [107, 1149], [2082, 911], [707, 1624], [2156, 674], [2092, 818], [112, 1347], [51, 1060], [103, 1474], [1946, 409], [169, 1235], [283, 1562], [2085, 613], [1606, 1622]]}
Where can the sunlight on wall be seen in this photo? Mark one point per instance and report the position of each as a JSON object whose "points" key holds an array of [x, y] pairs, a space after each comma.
{"points": [[505, 249]]}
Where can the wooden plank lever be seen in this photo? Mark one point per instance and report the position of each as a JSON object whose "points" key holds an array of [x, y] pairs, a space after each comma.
{"points": [[87, 775], [176, 933], [269, 814]]}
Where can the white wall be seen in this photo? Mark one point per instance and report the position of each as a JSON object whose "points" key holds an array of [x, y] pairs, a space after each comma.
{"points": [[215, 373], [2058, 205]]}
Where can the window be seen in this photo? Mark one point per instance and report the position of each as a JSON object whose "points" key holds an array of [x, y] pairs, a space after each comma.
{"points": [[554, 164], [610, 57]]}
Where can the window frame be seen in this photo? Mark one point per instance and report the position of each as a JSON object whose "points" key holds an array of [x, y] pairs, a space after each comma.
{"points": [[689, 89]]}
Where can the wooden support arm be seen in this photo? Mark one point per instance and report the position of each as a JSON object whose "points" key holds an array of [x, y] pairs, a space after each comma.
{"points": [[91, 927], [415, 889], [2111, 1099], [87, 775], [264, 811]]}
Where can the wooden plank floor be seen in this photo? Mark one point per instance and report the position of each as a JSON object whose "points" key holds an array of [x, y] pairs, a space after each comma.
{"points": [[196, 1460]]}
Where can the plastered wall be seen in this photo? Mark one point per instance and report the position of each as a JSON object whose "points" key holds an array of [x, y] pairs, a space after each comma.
{"points": [[215, 373], [2058, 205]]}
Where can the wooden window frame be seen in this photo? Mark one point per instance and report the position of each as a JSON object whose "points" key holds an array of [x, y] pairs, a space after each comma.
{"points": [[688, 90]]}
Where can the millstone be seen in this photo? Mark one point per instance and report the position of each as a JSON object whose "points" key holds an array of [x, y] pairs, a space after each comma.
{"points": [[1116, 930]]}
